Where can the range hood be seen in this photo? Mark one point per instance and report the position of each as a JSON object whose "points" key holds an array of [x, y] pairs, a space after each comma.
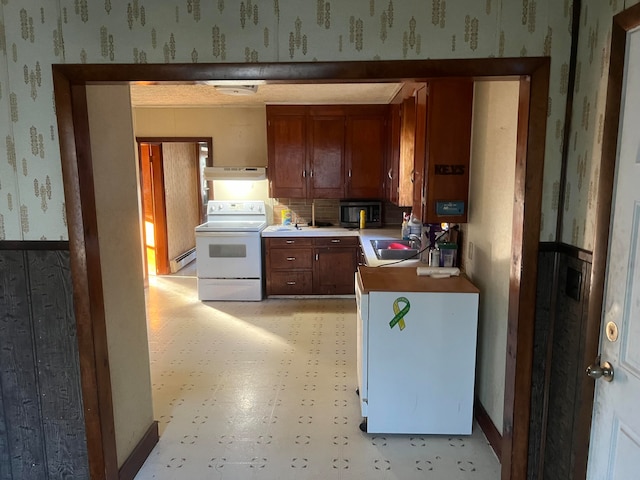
{"points": [[235, 173]]}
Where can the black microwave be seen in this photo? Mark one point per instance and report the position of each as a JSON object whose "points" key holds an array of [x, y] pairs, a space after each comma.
{"points": [[350, 213]]}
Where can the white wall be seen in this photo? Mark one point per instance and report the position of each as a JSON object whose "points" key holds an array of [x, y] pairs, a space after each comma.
{"points": [[487, 235], [116, 190], [239, 134]]}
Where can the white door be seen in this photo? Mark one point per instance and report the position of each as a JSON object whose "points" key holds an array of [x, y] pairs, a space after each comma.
{"points": [[615, 432]]}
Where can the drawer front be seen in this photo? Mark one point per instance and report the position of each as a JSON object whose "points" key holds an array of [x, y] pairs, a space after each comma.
{"points": [[289, 242], [290, 258], [289, 283], [335, 241]]}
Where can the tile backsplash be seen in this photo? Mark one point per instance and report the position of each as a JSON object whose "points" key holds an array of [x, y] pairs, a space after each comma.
{"points": [[328, 210]]}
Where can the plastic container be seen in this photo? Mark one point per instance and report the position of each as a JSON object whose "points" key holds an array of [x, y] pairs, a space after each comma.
{"points": [[286, 216], [434, 257], [415, 227], [448, 254]]}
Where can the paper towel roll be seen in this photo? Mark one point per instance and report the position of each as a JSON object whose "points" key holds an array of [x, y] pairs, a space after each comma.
{"points": [[438, 272]]}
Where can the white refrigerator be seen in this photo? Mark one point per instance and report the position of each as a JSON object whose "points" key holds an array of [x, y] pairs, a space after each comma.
{"points": [[416, 352]]}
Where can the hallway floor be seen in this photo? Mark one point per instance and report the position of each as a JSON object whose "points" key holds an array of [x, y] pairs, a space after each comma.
{"points": [[266, 390]]}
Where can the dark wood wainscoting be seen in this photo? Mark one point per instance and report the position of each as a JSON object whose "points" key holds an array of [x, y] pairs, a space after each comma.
{"points": [[562, 301], [42, 430]]}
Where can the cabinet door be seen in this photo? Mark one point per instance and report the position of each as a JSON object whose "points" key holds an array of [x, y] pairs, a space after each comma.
{"points": [[326, 156], [448, 148], [333, 270], [366, 144], [407, 152], [286, 146]]}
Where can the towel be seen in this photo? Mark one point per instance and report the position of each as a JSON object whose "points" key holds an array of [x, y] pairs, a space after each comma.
{"points": [[438, 272]]}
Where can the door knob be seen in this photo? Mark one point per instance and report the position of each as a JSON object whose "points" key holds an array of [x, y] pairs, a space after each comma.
{"points": [[597, 370]]}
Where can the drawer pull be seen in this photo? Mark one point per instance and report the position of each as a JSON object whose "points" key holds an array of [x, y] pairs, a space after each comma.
{"points": [[291, 259], [335, 240], [291, 241], [291, 283]]}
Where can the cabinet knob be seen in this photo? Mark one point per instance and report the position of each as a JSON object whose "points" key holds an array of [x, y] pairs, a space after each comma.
{"points": [[317, 257], [291, 259], [291, 241], [335, 240], [291, 283]]}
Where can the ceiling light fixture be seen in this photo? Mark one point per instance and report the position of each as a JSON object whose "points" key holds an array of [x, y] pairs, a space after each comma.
{"points": [[238, 90]]}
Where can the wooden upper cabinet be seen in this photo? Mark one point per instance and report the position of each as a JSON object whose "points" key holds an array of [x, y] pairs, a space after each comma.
{"points": [[365, 151], [326, 156], [287, 151], [448, 151], [407, 152], [329, 151]]}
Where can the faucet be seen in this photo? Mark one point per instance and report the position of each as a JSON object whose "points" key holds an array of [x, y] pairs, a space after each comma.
{"points": [[416, 240]]}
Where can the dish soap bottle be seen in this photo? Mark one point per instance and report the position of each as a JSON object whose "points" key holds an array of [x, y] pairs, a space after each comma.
{"points": [[405, 226]]}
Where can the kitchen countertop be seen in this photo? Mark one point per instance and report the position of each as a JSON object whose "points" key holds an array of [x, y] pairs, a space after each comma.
{"points": [[366, 235], [394, 279]]}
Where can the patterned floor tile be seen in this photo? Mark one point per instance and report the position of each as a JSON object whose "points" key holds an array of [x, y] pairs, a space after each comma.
{"points": [[266, 390]]}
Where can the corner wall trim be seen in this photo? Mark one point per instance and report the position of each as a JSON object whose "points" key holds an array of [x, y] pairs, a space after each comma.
{"points": [[489, 429], [133, 464]]}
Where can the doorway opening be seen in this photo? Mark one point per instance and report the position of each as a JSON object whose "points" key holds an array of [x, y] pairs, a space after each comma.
{"points": [[173, 199], [71, 106]]}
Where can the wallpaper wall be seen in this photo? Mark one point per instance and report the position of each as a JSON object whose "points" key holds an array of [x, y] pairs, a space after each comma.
{"points": [[36, 33], [181, 195]]}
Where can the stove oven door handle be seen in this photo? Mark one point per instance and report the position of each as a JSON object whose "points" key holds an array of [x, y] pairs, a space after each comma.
{"points": [[228, 234]]}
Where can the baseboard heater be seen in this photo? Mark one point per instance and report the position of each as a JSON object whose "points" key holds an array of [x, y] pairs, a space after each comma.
{"points": [[182, 260]]}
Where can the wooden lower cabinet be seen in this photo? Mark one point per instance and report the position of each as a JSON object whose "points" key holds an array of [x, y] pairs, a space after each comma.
{"points": [[310, 265]]}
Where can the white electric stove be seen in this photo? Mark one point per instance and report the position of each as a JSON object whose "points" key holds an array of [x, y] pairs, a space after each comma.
{"points": [[229, 251]]}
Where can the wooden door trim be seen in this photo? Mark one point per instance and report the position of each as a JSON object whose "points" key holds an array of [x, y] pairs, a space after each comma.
{"points": [[622, 23], [81, 214], [161, 237], [86, 276]]}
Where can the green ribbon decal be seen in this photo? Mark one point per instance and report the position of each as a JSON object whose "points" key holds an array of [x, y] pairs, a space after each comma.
{"points": [[399, 312]]}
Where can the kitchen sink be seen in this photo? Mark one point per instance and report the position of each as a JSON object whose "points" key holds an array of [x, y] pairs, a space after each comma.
{"points": [[395, 249]]}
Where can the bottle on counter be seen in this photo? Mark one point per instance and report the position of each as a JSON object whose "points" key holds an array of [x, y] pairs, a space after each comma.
{"points": [[363, 219], [415, 226], [405, 226]]}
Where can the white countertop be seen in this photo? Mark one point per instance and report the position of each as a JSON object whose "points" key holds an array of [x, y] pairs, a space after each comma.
{"points": [[291, 231], [366, 235]]}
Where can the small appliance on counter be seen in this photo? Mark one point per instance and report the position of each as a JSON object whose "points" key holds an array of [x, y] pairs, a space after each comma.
{"points": [[351, 216]]}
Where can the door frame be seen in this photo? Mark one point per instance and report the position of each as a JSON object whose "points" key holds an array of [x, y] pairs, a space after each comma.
{"points": [[622, 23], [158, 208], [75, 146], [160, 196]]}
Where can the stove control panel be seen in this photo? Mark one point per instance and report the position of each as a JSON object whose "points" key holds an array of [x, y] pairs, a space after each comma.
{"points": [[229, 207]]}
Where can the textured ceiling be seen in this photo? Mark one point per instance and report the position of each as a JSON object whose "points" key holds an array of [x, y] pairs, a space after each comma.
{"points": [[310, 94]]}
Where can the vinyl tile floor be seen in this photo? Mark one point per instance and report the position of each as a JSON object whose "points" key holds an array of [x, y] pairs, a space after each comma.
{"points": [[267, 390]]}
